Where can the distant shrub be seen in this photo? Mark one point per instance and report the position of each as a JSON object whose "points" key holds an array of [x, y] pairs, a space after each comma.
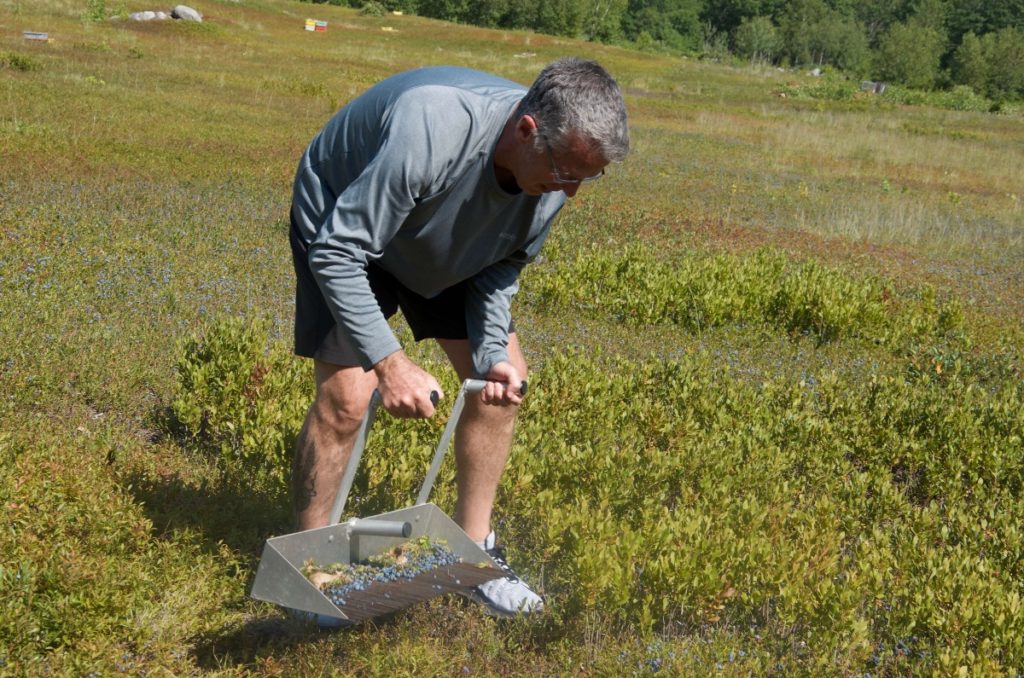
{"points": [[960, 98], [963, 98], [829, 87], [373, 8], [95, 11], [833, 87], [19, 62]]}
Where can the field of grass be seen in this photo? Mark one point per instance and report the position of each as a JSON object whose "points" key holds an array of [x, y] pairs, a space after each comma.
{"points": [[776, 422]]}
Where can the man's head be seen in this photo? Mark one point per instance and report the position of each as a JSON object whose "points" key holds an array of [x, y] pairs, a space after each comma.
{"points": [[577, 96], [573, 120]]}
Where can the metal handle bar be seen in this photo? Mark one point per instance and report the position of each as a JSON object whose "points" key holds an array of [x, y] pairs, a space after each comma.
{"points": [[468, 386]]}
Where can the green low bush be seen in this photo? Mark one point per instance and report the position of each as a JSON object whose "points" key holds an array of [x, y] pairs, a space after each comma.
{"points": [[19, 62], [851, 518], [959, 98], [702, 291], [836, 88], [829, 87], [242, 397]]}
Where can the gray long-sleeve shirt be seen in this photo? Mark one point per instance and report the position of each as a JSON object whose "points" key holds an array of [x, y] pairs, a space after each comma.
{"points": [[403, 176]]}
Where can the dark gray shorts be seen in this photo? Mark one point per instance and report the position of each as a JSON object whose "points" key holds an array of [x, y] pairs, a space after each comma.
{"points": [[317, 335]]}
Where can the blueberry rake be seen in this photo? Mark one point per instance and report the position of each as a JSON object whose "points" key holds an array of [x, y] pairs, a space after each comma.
{"points": [[280, 580]]}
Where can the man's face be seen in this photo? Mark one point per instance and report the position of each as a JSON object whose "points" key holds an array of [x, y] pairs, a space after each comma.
{"points": [[548, 170]]}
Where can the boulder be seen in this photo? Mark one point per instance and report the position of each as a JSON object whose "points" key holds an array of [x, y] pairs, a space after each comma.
{"points": [[149, 15], [186, 13]]}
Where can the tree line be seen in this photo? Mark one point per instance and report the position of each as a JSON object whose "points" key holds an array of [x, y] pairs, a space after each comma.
{"points": [[923, 44]]}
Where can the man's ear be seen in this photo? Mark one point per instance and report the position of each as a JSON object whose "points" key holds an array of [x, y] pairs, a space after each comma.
{"points": [[526, 127]]}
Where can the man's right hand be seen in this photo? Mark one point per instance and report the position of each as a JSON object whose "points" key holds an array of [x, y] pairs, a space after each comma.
{"points": [[404, 387]]}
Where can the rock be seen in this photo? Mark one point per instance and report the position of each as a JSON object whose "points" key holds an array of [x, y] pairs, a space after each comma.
{"points": [[149, 16], [186, 13]]}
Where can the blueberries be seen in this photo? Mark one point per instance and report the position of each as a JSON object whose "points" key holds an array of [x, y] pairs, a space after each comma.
{"points": [[402, 563]]}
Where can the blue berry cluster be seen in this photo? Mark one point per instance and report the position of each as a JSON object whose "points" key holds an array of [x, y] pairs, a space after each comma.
{"points": [[401, 564]]}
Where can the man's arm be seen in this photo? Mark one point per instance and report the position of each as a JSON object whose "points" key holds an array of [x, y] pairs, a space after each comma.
{"points": [[371, 209], [365, 217], [489, 313], [489, 302]]}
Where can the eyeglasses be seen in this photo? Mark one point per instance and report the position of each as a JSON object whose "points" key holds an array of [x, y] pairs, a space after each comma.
{"points": [[559, 179]]}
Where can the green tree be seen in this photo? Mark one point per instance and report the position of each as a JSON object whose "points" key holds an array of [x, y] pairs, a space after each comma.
{"points": [[446, 10], [842, 42], [727, 15], [1005, 52], [520, 14], [601, 20], [558, 18], [673, 23], [983, 16], [970, 64], [877, 16], [930, 14], [756, 39], [814, 33], [487, 13], [992, 65], [796, 26], [909, 54]]}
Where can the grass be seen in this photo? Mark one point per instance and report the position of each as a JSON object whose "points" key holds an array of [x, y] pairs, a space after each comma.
{"points": [[796, 501]]}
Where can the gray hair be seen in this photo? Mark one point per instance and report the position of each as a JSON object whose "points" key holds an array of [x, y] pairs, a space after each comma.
{"points": [[576, 95]]}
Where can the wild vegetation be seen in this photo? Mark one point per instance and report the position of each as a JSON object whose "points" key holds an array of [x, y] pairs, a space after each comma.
{"points": [[776, 416]]}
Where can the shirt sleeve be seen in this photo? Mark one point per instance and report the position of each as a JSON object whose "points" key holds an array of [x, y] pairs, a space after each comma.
{"points": [[365, 217], [489, 313], [489, 304]]}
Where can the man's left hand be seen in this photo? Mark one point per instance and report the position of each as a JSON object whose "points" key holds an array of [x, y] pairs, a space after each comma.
{"points": [[503, 385]]}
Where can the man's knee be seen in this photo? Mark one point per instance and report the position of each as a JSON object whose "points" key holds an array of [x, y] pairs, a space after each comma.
{"points": [[342, 398], [340, 418], [495, 415]]}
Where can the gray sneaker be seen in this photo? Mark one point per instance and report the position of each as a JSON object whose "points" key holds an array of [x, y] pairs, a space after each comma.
{"points": [[507, 596]]}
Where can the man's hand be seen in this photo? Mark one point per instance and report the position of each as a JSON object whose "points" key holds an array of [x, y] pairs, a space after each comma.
{"points": [[503, 385], [405, 389]]}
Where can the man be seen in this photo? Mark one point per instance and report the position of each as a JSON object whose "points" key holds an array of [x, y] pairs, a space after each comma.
{"points": [[429, 193]]}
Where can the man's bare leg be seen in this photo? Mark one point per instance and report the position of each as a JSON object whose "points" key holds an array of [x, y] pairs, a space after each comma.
{"points": [[483, 440], [326, 439]]}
